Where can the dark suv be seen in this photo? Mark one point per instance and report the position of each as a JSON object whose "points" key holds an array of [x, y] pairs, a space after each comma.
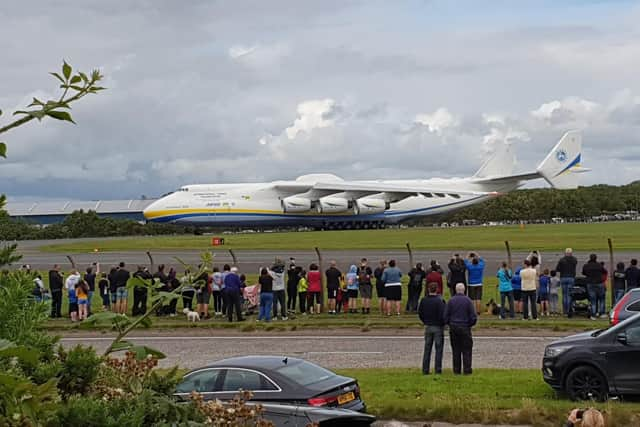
{"points": [[593, 365]]}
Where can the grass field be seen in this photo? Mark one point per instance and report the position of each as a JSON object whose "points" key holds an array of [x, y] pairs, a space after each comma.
{"points": [[488, 396], [583, 237]]}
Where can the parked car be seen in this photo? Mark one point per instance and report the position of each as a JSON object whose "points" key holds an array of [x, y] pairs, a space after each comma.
{"points": [[628, 305], [594, 365], [277, 381]]}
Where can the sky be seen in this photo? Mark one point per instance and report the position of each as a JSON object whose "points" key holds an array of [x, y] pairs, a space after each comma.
{"points": [[251, 91]]}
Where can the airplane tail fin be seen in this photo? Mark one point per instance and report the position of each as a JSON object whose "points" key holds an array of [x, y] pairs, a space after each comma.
{"points": [[561, 166], [501, 163]]}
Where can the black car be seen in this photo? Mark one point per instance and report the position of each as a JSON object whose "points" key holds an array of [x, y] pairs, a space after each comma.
{"points": [[594, 365], [273, 379]]}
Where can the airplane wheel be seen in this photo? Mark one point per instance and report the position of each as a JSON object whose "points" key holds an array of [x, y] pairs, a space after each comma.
{"points": [[374, 225], [365, 226], [383, 226]]}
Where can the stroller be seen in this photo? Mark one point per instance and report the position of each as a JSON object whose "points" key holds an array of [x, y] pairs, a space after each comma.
{"points": [[251, 299], [580, 302]]}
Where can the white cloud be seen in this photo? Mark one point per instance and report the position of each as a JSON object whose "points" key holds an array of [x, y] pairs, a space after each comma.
{"points": [[437, 121], [312, 114], [572, 110], [239, 51]]}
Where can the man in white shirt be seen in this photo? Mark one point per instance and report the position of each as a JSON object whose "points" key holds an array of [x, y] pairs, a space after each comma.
{"points": [[529, 277]]}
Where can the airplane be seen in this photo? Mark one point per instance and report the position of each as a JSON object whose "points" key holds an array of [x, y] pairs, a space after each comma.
{"points": [[325, 201]]}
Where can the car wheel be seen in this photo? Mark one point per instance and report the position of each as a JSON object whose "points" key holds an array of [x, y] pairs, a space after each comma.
{"points": [[586, 383]]}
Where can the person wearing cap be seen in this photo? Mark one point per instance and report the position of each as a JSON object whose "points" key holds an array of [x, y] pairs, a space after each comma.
{"points": [[232, 292]]}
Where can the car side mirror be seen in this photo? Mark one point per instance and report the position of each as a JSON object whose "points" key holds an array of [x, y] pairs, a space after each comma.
{"points": [[622, 338]]}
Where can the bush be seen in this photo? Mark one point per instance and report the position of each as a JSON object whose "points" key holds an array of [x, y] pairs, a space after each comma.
{"points": [[80, 368]]}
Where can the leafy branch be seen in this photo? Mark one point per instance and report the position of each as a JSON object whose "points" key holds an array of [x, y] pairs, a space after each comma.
{"points": [[73, 86]]}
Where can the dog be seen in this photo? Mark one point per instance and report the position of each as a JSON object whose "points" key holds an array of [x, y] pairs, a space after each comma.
{"points": [[192, 316], [493, 308]]}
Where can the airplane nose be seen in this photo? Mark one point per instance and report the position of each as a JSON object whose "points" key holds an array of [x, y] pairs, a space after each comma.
{"points": [[149, 211]]}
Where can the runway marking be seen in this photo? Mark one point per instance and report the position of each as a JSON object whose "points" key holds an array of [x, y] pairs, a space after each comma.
{"points": [[301, 337], [342, 352]]}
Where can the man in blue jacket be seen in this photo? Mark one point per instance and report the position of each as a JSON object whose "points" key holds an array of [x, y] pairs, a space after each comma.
{"points": [[460, 315], [431, 312], [475, 269], [232, 291]]}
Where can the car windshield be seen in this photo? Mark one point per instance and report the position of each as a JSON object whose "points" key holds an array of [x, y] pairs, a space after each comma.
{"points": [[305, 373]]}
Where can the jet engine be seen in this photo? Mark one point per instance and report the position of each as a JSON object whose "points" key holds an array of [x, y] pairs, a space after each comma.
{"points": [[369, 206], [296, 204], [332, 205]]}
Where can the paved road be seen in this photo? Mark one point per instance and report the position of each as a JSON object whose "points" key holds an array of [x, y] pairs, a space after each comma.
{"points": [[251, 260], [347, 351]]}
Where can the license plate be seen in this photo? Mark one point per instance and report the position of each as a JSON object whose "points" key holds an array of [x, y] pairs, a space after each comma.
{"points": [[345, 398]]}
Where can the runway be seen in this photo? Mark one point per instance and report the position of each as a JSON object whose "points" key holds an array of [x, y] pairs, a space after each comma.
{"points": [[342, 351], [250, 261]]}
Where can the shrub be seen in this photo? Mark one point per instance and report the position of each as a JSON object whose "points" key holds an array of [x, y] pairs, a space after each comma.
{"points": [[80, 368]]}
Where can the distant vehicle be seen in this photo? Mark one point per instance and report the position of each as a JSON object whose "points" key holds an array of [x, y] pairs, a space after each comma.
{"points": [[326, 201], [628, 306], [557, 220], [274, 380], [594, 365]]}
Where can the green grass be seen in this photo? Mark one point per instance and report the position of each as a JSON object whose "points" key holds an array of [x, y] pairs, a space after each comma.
{"points": [[543, 237], [488, 396]]}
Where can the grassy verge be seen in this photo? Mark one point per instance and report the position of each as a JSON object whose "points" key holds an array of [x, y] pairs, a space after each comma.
{"points": [[543, 237], [489, 396]]}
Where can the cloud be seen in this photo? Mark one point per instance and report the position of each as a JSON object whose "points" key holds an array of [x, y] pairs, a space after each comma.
{"points": [[570, 110], [313, 114], [239, 51], [437, 121]]}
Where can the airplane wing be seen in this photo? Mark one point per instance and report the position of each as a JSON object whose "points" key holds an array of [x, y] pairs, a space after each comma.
{"points": [[388, 192]]}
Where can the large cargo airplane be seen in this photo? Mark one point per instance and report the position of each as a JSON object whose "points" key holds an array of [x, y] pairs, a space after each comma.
{"points": [[326, 201]]}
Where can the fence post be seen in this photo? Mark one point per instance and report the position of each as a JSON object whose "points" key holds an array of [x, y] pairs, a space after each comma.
{"points": [[411, 264], [152, 265], [613, 295], [322, 281], [73, 263], [508, 246], [233, 256]]}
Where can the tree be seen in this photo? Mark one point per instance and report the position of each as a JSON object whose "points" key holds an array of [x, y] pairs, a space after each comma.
{"points": [[73, 87]]}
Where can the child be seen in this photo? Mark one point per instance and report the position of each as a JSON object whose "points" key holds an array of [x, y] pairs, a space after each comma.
{"points": [[352, 290], [103, 286], [303, 285], [516, 285], [554, 286], [543, 292], [73, 304], [82, 298]]}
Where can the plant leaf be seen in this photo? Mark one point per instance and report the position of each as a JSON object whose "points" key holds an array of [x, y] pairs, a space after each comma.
{"points": [[83, 76], [58, 76], [75, 79], [60, 115], [66, 70], [35, 102], [142, 352], [3, 150], [121, 345]]}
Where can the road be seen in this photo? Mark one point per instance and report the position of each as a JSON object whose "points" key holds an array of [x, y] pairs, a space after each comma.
{"points": [[251, 260], [343, 351]]}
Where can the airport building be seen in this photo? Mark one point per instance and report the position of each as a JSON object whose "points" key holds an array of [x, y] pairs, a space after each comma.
{"points": [[51, 212]]}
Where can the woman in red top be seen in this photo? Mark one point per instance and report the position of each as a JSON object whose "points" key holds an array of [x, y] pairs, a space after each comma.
{"points": [[315, 289], [435, 275]]}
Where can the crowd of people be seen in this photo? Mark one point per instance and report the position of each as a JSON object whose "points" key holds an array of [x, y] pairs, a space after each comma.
{"points": [[530, 290]]}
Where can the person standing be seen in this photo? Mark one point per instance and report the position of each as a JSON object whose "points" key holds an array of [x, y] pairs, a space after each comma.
{"points": [[121, 278], [554, 286], [632, 275], [506, 290], [351, 279], [82, 296], [457, 273], [279, 297], [544, 285], [111, 277], [292, 286], [140, 291], [303, 287], [314, 291], [416, 278], [431, 312], [366, 288], [232, 290], [265, 282], [567, 269], [619, 283], [163, 279], [70, 285], [460, 315], [333, 276], [216, 291], [434, 275], [103, 287], [380, 285], [203, 293], [392, 287], [475, 267], [90, 278], [516, 284], [55, 286], [529, 278], [594, 273]]}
